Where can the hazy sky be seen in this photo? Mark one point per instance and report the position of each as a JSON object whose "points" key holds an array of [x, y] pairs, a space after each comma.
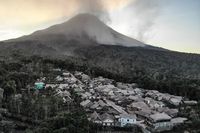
{"points": [[172, 24]]}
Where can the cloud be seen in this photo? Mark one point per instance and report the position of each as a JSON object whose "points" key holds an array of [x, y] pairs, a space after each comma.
{"points": [[146, 12]]}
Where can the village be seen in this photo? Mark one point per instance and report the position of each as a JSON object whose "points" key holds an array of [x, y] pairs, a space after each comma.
{"points": [[114, 104]]}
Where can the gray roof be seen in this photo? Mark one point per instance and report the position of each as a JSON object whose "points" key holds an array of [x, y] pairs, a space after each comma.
{"points": [[106, 116], [129, 116], [85, 103], [139, 105], [116, 107], [95, 105], [178, 120], [171, 111], [95, 116], [143, 113], [160, 117], [101, 103]]}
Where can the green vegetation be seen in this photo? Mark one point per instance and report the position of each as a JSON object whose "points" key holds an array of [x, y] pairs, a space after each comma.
{"points": [[19, 72]]}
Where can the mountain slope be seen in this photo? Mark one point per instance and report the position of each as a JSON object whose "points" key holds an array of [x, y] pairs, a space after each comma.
{"points": [[82, 27]]}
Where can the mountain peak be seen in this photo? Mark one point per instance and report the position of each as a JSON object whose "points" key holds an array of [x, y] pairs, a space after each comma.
{"points": [[85, 17]]}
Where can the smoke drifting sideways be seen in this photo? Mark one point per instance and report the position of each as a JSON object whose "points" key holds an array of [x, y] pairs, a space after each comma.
{"points": [[139, 14], [137, 19], [146, 11]]}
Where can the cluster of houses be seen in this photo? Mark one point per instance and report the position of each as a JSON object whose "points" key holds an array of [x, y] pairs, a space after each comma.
{"points": [[116, 104]]}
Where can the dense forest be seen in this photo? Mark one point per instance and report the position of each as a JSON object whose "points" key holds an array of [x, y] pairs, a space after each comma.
{"points": [[171, 72], [166, 71], [18, 71]]}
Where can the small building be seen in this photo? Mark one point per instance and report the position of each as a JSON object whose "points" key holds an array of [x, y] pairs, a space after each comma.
{"points": [[171, 112], [59, 79], [159, 122], [39, 85], [190, 103], [153, 103], [143, 114], [175, 100], [107, 119], [178, 120], [51, 86], [85, 103], [139, 106], [127, 120], [95, 118]]}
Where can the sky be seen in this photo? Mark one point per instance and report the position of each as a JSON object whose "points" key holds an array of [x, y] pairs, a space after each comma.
{"points": [[171, 24]]}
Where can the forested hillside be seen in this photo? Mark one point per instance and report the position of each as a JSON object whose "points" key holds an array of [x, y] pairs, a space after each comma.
{"points": [[166, 71]]}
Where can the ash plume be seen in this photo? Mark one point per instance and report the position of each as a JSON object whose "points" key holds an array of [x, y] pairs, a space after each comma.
{"points": [[95, 7], [146, 12]]}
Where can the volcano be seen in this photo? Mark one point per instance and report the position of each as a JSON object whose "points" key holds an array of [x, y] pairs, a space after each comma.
{"points": [[81, 28], [80, 31]]}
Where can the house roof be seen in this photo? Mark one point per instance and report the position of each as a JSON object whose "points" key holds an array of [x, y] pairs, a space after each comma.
{"points": [[106, 116], [101, 103], [95, 105], [160, 117], [139, 105], [129, 116], [85, 103], [142, 113], [116, 107], [136, 98], [95, 116], [171, 111], [178, 120]]}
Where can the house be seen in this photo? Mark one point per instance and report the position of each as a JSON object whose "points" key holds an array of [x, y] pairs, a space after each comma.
{"points": [[153, 103], [51, 86], [101, 103], [126, 120], [111, 110], [143, 114], [94, 106], [57, 70], [95, 118], [135, 98], [59, 79], [107, 119], [139, 106], [67, 74], [178, 120], [63, 86], [85, 78], [138, 91], [79, 90], [39, 85], [85, 103], [64, 93], [159, 122], [190, 103], [116, 107], [121, 85], [175, 100], [171, 112]]}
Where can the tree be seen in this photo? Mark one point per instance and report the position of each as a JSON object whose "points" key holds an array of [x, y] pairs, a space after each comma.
{"points": [[9, 88]]}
